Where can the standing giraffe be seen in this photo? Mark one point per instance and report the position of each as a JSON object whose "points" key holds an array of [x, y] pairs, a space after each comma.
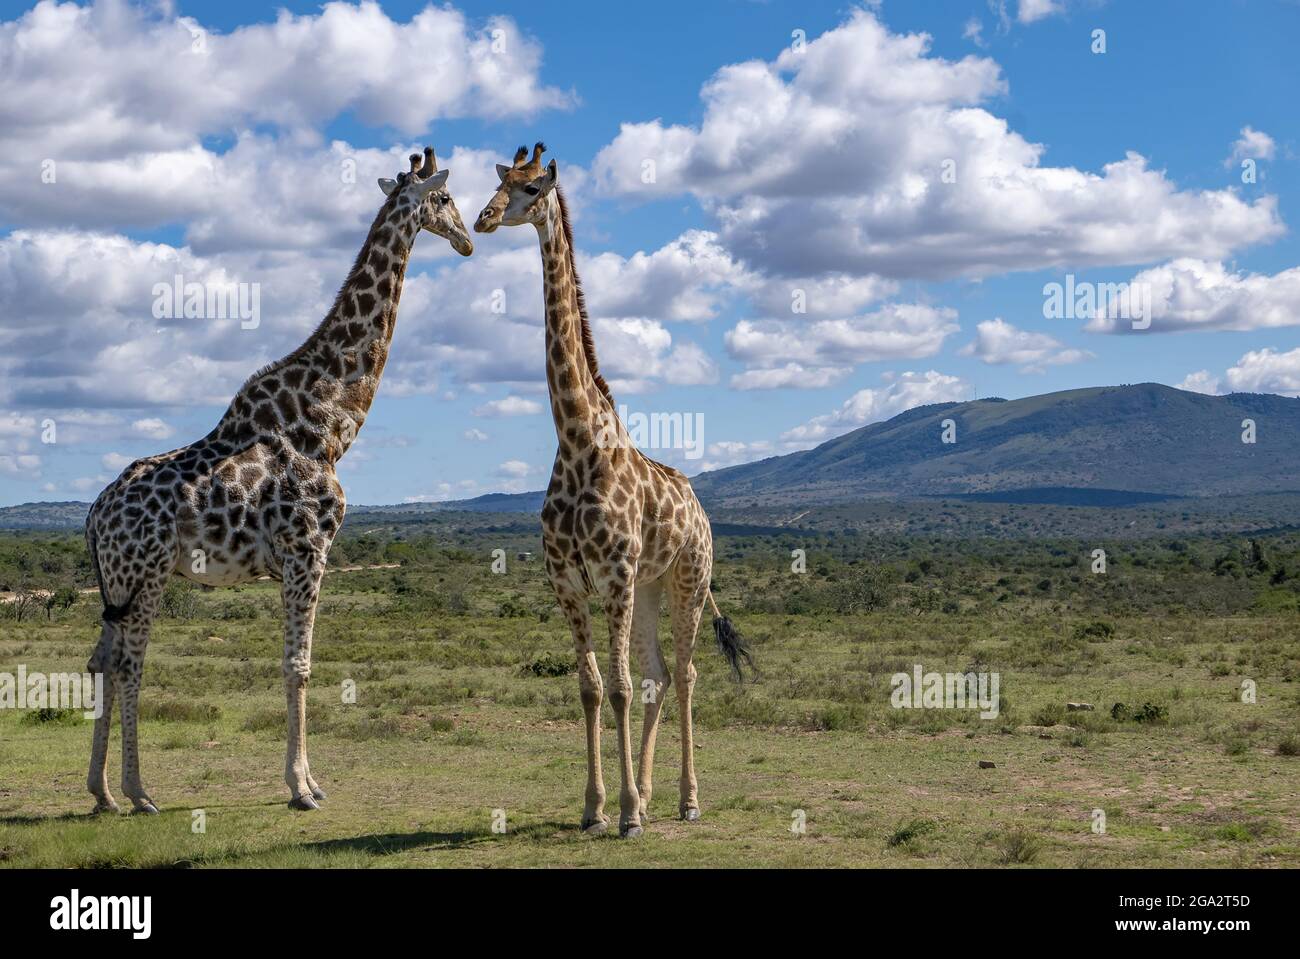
{"points": [[615, 524], [258, 495]]}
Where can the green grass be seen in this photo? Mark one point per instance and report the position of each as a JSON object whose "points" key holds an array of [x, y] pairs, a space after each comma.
{"points": [[462, 709]]}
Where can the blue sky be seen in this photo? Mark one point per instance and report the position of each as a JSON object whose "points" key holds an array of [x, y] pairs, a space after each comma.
{"points": [[189, 139]]}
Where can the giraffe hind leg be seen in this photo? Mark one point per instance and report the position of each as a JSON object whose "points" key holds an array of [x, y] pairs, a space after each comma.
{"points": [[97, 779], [655, 679], [688, 590], [118, 659], [127, 671]]}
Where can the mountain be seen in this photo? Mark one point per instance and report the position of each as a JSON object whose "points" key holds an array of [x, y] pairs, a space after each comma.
{"points": [[66, 516], [487, 503], [1101, 446], [44, 516], [1105, 446]]}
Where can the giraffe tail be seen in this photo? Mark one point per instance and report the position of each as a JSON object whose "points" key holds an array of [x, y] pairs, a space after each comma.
{"points": [[731, 644], [102, 656]]}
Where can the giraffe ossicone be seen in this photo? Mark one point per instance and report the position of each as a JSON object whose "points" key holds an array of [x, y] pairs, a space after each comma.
{"points": [[258, 496], [615, 524]]}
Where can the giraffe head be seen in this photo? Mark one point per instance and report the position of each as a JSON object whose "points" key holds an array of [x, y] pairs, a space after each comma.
{"points": [[522, 196], [424, 192]]}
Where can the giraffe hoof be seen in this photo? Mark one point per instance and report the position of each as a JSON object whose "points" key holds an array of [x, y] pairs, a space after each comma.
{"points": [[690, 813], [145, 809], [104, 806], [597, 828], [629, 832], [303, 802], [318, 794]]}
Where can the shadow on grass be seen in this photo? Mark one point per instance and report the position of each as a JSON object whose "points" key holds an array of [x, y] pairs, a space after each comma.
{"points": [[386, 844], [24, 819]]}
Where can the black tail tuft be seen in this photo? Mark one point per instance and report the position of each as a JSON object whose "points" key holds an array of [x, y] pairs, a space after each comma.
{"points": [[733, 646], [115, 614], [102, 658]]}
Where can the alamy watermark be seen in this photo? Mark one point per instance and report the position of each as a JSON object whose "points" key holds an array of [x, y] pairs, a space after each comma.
{"points": [[1082, 300], [922, 690], [653, 431], [208, 301], [75, 912], [24, 690]]}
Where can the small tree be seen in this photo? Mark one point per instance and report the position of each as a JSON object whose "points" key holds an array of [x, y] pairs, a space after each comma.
{"points": [[24, 604], [64, 598]]}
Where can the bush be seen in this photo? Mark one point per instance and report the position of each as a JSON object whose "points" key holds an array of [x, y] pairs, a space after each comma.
{"points": [[1097, 630], [912, 830], [871, 588], [1146, 713], [180, 600], [1018, 846], [1050, 715], [548, 665], [48, 714]]}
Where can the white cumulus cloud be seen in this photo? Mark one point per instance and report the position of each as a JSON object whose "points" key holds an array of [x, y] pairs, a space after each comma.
{"points": [[826, 347], [509, 406], [998, 342], [900, 393], [1031, 11], [1196, 294], [866, 154], [1251, 145]]}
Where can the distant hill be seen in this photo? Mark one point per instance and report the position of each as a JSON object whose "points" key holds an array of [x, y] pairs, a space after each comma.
{"points": [[1086, 447], [44, 516], [487, 503], [1110, 446], [64, 516]]}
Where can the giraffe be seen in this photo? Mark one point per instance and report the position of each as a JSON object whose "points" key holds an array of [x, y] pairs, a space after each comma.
{"points": [[615, 524], [258, 496]]}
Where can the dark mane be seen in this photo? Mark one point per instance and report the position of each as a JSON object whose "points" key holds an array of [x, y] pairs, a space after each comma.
{"points": [[588, 344]]}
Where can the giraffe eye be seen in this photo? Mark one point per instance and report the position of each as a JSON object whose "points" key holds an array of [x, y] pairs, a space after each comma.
{"points": [[532, 190]]}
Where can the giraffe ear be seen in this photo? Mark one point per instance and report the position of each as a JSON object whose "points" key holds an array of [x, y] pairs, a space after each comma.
{"points": [[435, 181], [387, 185], [502, 171], [552, 172]]}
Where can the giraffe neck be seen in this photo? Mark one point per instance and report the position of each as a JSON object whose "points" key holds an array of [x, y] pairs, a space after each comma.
{"points": [[317, 398], [581, 404], [358, 328]]}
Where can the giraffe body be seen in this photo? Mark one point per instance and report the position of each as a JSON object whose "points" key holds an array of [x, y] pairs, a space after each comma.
{"points": [[616, 525], [258, 496]]}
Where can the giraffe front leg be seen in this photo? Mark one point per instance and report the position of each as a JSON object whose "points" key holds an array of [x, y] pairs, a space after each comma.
{"points": [[594, 820], [618, 609], [300, 590]]}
